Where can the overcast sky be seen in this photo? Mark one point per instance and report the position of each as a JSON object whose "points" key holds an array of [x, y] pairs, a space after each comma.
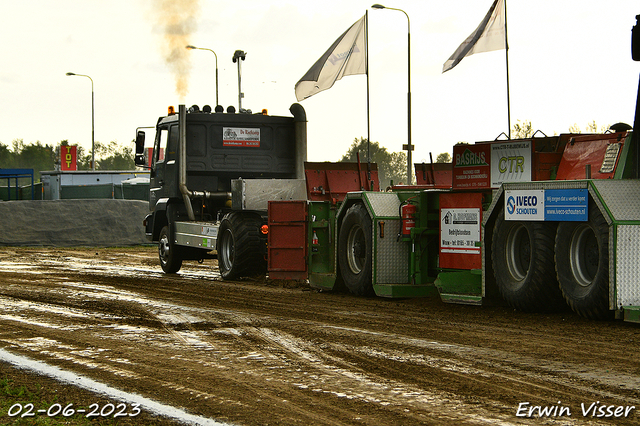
{"points": [[569, 63]]}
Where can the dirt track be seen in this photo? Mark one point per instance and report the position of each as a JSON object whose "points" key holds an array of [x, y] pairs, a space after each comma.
{"points": [[259, 352]]}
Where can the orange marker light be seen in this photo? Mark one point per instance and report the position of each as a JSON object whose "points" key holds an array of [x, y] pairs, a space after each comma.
{"points": [[264, 229], [172, 110]]}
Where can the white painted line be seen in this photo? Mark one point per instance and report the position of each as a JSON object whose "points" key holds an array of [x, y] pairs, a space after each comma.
{"points": [[94, 386]]}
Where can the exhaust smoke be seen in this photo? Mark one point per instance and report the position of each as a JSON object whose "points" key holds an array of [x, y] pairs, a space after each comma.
{"points": [[176, 22]]}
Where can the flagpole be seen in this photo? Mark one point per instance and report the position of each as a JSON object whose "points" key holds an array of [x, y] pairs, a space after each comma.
{"points": [[366, 71], [506, 45]]}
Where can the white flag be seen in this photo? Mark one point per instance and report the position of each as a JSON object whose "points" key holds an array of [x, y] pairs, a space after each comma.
{"points": [[347, 56], [490, 35]]}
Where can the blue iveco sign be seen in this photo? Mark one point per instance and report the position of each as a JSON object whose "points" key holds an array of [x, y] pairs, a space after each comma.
{"points": [[546, 205]]}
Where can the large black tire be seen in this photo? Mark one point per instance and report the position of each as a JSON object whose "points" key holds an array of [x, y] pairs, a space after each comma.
{"points": [[582, 265], [523, 264], [169, 253], [240, 246], [355, 250]]}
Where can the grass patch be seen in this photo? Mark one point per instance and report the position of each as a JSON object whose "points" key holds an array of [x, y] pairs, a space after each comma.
{"points": [[17, 401], [25, 392]]}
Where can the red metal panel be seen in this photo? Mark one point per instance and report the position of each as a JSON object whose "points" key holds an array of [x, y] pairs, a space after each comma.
{"points": [[434, 175], [287, 241], [331, 181], [545, 165], [587, 150]]}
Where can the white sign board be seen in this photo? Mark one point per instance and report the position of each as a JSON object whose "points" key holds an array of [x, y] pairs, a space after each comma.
{"points": [[524, 204], [242, 137], [510, 162], [460, 230]]}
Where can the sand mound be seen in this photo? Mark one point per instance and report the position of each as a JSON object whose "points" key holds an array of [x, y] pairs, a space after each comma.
{"points": [[73, 223]]}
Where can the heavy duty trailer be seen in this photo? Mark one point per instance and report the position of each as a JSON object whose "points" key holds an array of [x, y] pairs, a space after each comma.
{"points": [[538, 223], [520, 221]]}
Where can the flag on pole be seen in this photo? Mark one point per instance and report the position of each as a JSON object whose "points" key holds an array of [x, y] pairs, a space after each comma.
{"points": [[489, 36], [346, 56]]}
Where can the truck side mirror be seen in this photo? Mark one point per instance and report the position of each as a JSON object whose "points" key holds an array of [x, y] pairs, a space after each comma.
{"points": [[140, 142], [635, 40], [139, 159]]}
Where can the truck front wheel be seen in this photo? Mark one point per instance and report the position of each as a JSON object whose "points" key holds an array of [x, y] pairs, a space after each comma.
{"points": [[169, 253], [522, 258], [355, 250], [240, 247], [582, 263]]}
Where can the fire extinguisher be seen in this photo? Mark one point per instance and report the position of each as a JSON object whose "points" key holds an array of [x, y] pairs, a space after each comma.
{"points": [[408, 214]]}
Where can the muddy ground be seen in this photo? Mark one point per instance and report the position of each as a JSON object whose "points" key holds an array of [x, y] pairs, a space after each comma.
{"points": [[261, 352]]}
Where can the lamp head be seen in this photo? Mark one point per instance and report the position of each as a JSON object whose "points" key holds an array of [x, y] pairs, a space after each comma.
{"points": [[191, 47], [378, 6], [237, 55], [70, 73]]}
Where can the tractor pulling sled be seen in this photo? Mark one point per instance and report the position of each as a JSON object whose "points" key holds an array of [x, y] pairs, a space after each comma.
{"points": [[538, 223]]}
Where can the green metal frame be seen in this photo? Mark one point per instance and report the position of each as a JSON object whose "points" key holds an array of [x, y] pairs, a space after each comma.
{"points": [[625, 169], [323, 269], [413, 285], [631, 314], [458, 286], [322, 256]]}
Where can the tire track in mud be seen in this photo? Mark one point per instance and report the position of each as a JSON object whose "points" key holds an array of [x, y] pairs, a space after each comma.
{"points": [[271, 352], [268, 340], [506, 361], [317, 358], [538, 365], [311, 369], [503, 372], [520, 371], [512, 372], [170, 321]]}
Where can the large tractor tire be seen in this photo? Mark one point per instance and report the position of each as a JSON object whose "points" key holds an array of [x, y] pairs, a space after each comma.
{"points": [[355, 250], [169, 253], [582, 264], [240, 247], [523, 264]]}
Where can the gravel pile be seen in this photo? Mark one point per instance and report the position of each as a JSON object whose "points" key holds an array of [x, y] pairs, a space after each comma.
{"points": [[73, 223]]}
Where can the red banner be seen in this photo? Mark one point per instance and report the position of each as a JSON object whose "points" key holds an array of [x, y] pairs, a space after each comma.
{"points": [[471, 168], [150, 156], [68, 157]]}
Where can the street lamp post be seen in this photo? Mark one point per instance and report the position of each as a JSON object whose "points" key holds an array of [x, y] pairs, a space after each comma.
{"points": [[93, 142], [239, 56], [408, 147], [214, 53]]}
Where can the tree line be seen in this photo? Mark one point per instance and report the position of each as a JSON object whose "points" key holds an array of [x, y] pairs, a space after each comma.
{"points": [[392, 166], [45, 157], [113, 156]]}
